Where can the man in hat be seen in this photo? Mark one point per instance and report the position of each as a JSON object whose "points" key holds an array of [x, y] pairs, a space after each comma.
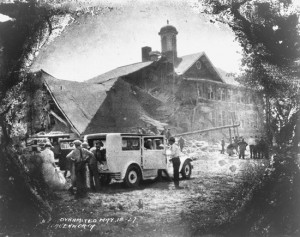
{"points": [[242, 148], [175, 154], [93, 170], [79, 157], [99, 152]]}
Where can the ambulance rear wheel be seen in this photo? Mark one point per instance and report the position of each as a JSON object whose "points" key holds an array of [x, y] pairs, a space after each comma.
{"points": [[132, 177]]}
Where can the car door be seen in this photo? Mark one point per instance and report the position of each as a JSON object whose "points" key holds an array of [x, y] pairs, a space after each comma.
{"points": [[154, 152]]}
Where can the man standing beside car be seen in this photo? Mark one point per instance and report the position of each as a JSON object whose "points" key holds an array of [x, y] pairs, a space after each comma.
{"points": [[93, 171], [79, 156], [175, 154], [99, 152]]}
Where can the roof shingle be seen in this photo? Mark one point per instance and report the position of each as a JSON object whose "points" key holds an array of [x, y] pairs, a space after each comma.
{"points": [[119, 72], [77, 100]]}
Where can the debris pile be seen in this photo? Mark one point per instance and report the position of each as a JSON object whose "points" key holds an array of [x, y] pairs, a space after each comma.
{"points": [[198, 149]]}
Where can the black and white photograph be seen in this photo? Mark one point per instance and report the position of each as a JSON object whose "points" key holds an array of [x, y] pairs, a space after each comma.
{"points": [[150, 118]]}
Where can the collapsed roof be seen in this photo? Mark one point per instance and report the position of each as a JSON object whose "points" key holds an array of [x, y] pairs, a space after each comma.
{"points": [[82, 103], [78, 101]]}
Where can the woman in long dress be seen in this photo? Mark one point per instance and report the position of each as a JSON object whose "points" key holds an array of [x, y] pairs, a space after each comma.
{"points": [[49, 169]]}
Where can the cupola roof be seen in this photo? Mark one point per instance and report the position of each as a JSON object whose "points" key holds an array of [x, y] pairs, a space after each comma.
{"points": [[168, 29]]}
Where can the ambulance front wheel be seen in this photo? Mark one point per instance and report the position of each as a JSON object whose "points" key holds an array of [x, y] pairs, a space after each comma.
{"points": [[186, 170]]}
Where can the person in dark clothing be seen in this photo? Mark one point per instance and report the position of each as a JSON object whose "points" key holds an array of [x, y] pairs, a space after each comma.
{"points": [[262, 149], [168, 134], [160, 172], [148, 144], [230, 148], [99, 152], [256, 148], [93, 171], [235, 144], [79, 157], [242, 148], [181, 143], [223, 146], [175, 154]]}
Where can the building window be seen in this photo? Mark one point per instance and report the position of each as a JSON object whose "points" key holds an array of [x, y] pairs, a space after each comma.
{"points": [[164, 41], [210, 93], [232, 117], [200, 90], [228, 118], [169, 43], [223, 118], [213, 118], [229, 94], [219, 119], [223, 94], [218, 94], [174, 42]]}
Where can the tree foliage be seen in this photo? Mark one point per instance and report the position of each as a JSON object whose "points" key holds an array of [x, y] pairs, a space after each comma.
{"points": [[268, 31], [20, 40]]}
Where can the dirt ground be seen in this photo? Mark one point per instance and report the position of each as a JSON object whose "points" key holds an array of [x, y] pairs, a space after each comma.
{"points": [[156, 208]]}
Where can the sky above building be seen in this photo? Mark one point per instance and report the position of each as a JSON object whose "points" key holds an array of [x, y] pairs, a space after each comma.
{"points": [[114, 35]]}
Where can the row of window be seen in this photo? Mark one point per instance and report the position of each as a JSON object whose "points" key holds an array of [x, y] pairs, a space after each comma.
{"points": [[223, 118], [214, 93], [133, 143]]}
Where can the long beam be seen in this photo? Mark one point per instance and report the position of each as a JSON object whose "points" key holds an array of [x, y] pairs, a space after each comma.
{"points": [[208, 130]]}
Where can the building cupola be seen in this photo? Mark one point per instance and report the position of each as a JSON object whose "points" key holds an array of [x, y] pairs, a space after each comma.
{"points": [[168, 42]]}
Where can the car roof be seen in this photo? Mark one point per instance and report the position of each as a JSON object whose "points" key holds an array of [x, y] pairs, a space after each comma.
{"points": [[68, 139], [97, 135], [50, 136]]}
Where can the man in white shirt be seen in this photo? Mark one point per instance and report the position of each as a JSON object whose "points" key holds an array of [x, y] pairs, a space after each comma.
{"points": [[175, 154], [251, 143], [79, 156]]}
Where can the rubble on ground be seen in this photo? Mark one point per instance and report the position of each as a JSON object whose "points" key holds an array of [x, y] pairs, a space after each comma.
{"points": [[198, 149]]}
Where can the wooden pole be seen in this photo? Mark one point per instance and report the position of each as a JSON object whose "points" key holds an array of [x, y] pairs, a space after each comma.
{"points": [[208, 130]]}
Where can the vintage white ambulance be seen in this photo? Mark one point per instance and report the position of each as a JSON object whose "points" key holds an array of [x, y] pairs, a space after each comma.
{"points": [[135, 157]]}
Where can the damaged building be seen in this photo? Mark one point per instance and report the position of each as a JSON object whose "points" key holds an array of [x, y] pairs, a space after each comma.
{"points": [[184, 93]]}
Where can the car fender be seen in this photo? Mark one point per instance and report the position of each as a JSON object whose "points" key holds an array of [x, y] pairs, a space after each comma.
{"points": [[182, 160], [124, 170]]}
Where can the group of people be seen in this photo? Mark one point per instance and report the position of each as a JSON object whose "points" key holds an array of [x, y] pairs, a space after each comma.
{"points": [[258, 147], [78, 160]]}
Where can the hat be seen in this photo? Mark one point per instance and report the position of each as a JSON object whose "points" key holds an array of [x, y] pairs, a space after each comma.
{"points": [[85, 145], [48, 144], [99, 142], [171, 139], [77, 143]]}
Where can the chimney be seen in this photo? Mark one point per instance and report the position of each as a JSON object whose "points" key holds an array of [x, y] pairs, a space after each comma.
{"points": [[145, 53]]}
